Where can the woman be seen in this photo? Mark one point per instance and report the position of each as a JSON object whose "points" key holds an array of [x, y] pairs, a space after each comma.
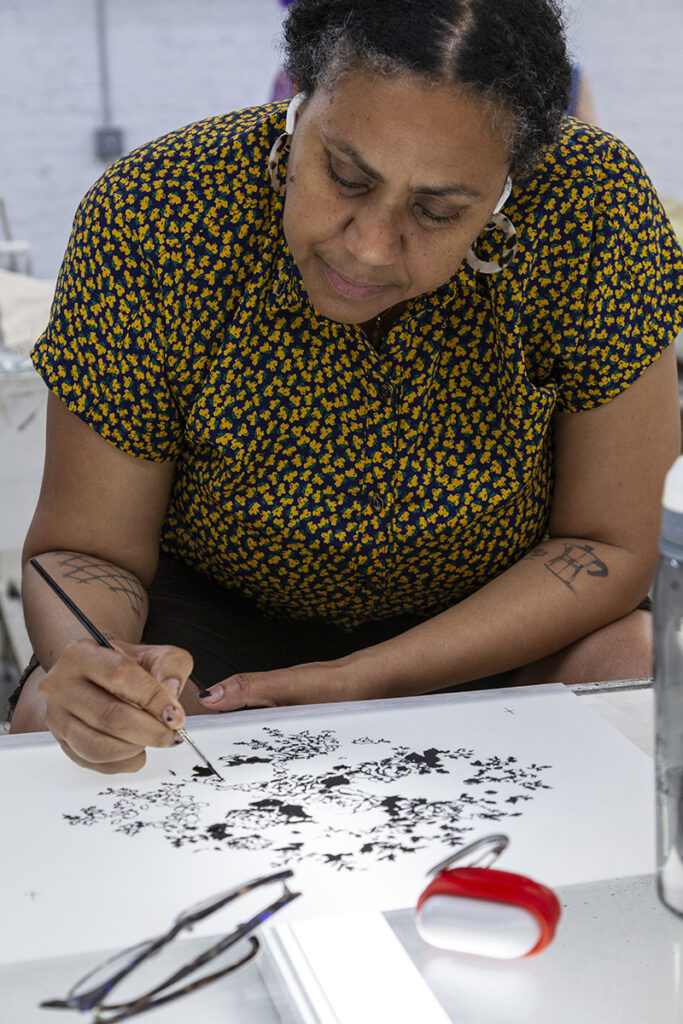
{"points": [[388, 438]]}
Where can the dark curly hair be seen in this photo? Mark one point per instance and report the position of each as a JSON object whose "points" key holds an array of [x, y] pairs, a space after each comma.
{"points": [[511, 53]]}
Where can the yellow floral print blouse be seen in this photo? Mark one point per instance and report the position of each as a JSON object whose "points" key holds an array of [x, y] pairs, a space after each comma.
{"points": [[319, 476]]}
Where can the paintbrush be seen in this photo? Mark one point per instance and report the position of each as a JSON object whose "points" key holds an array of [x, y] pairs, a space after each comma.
{"points": [[103, 642]]}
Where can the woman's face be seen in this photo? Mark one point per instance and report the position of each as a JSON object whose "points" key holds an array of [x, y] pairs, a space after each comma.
{"points": [[389, 182]]}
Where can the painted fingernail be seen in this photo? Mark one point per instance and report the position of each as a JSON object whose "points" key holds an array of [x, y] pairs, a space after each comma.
{"points": [[215, 693], [172, 715], [177, 741], [172, 684]]}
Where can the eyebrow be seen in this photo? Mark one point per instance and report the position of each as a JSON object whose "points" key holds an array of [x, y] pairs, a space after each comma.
{"points": [[425, 190]]}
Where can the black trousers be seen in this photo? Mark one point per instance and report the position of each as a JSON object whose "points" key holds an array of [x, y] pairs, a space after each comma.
{"points": [[225, 632]]}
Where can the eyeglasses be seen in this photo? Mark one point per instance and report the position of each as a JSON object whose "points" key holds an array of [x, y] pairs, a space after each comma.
{"points": [[92, 991]]}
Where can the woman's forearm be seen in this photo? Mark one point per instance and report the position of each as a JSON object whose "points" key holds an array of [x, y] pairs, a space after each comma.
{"points": [[562, 590], [111, 597]]}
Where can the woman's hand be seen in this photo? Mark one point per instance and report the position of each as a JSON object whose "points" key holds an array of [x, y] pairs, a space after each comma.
{"points": [[318, 682], [105, 706]]}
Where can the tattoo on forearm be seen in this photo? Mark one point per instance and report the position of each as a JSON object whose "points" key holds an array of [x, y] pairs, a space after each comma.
{"points": [[575, 559], [83, 569]]}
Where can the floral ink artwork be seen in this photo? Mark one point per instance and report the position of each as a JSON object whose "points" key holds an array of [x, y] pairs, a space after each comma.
{"points": [[311, 796]]}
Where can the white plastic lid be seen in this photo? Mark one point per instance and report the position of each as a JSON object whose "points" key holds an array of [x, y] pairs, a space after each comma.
{"points": [[482, 927], [673, 487]]}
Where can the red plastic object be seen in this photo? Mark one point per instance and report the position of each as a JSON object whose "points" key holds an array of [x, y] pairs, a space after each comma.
{"points": [[499, 887]]}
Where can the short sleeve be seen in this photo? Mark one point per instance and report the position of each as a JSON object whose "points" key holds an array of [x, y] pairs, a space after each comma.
{"points": [[633, 299], [103, 352]]}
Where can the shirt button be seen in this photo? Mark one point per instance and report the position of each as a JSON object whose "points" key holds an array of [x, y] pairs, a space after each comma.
{"points": [[385, 390], [376, 503]]}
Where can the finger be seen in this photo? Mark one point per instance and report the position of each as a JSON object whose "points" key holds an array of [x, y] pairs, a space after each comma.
{"points": [[171, 666], [122, 676], [132, 764], [105, 729], [245, 690], [117, 720], [96, 748], [112, 694]]}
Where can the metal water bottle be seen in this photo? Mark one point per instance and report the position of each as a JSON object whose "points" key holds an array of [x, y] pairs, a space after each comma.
{"points": [[668, 689]]}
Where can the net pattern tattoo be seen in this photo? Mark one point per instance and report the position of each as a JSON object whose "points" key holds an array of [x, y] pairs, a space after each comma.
{"points": [[81, 569]]}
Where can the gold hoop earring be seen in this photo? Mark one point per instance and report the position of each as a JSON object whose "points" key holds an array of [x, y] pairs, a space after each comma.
{"points": [[498, 220], [281, 144]]}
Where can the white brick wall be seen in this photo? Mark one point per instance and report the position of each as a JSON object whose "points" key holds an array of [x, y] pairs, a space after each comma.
{"points": [[171, 62], [632, 51], [175, 61]]}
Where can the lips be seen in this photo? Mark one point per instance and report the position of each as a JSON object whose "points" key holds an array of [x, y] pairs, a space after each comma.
{"points": [[351, 289]]}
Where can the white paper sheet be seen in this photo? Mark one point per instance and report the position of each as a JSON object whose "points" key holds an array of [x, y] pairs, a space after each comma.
{"points": [[359, 799], [351, 969]]}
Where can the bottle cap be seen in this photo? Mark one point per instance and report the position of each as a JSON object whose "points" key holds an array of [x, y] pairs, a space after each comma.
{"points": [[673, 487]]}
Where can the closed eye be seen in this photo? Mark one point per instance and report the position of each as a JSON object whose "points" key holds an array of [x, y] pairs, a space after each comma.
{"points": [[342, 182], [439, 218]]}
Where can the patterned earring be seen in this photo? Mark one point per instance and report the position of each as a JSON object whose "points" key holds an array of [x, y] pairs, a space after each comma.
{"points": [[281, 144], [498, 220]]}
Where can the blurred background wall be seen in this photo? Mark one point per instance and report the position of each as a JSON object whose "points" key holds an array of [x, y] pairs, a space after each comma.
{"points": [[632, 51], [170, 62]]}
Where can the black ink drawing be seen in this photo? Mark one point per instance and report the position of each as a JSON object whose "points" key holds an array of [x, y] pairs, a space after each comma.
{"points": [[299, 797]]}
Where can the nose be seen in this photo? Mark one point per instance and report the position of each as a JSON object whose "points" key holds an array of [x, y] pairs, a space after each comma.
{"points": [[373, 235]]}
